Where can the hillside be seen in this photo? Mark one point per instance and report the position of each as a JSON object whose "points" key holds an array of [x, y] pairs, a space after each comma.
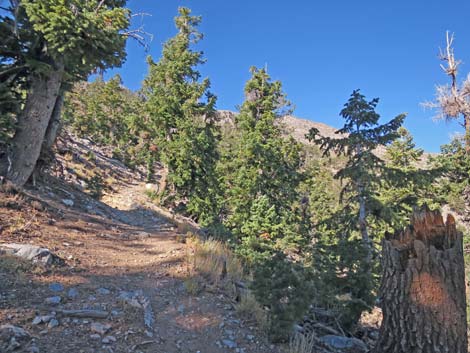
{"points": [[299, 128], [120, 279]]}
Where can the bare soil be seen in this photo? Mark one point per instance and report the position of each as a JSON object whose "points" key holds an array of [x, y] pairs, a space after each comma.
{"points": [[121, 243]]}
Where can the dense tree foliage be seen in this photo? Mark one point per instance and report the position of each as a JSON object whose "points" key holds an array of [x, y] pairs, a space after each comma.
{"points": [[45, 45], [109, 114], [454, 164], [360, 136], [182, 122], [263, 198], [407, 186], [361, 176]]}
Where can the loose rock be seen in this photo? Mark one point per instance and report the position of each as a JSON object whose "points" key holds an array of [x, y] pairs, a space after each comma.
{"points": [[68, 202], [56, 287], [42, 319], [229, 343], [53, 300], [12, 337], [103, 291], [53, 323], [100, 328], [108, 339], [32, 253], [344, 343], [72, 293]]}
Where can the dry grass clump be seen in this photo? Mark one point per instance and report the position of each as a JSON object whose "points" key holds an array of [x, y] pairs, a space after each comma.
{"points": [[215, 261], [193, 285], [249, 307], [300, 343]]}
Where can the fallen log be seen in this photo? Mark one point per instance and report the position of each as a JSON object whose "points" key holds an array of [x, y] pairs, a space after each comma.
{"points": [[94, 314]]}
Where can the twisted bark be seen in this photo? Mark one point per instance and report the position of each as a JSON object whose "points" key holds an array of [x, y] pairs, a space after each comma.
{"points": [[32, 125]]}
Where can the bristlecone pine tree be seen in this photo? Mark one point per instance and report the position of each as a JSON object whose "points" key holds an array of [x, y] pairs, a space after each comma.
{"points": [[48, 43], [422, 294], [182, 121]]}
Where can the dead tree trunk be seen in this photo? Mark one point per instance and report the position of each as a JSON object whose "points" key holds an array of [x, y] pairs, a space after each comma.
{"points": [[423, 288], [32, 124]]}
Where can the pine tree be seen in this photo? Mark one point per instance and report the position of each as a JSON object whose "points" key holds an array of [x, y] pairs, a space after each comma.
{"points": [[182, 122], [262, 201], [363, 172], [361, 177], [264, 165], [50, 43], [454, 164], [108, 114], [406, 186]]}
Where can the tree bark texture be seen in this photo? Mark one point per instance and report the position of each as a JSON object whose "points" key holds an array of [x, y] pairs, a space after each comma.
{"points": [[466, 199], [467, 132], [32, 125], [54, 124], [423, 288]]}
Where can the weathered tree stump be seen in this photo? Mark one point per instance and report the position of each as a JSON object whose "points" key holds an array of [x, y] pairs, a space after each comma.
{"points": [[422, 294]]}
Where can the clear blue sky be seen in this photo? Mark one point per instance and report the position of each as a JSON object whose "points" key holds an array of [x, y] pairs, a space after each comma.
{"points": [[321, 51]]}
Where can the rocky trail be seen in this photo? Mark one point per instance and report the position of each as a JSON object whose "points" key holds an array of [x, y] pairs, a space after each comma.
{"points": [[121, 287]]}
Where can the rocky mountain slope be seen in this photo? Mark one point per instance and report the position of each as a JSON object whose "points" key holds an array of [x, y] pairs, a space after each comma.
{"points": [[299, 128]]}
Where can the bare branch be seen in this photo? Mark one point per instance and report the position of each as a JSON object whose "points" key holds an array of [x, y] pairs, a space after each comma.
{"points": [[141, 14], [448, 56], [452, 101], [99, 6], [140, 35]]}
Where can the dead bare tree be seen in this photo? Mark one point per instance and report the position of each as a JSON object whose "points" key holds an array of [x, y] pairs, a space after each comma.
{"points": [[453, 101]]}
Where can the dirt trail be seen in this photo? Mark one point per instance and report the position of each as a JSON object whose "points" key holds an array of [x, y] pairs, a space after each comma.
{"points": [[112, 249]]}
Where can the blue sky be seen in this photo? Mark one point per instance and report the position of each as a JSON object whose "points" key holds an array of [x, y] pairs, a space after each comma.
{"points": [[321, 51]]}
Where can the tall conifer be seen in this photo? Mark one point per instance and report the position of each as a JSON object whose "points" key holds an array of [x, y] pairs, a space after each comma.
{"points": [[182, 122]]}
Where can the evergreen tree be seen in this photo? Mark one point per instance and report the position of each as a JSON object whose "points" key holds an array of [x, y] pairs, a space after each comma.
{"points": [[50, 43], [364, 170], [182, 122], [108, 114], [264, 166], [454, 164], [262, 201], [406, 185], [361, 177]]}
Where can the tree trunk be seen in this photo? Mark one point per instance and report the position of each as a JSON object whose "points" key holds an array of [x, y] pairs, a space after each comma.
{"points": [[46, 155], [466, 200], [363, 229], [54, 124], [467, 132], [32, 124], [423, 288]]}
